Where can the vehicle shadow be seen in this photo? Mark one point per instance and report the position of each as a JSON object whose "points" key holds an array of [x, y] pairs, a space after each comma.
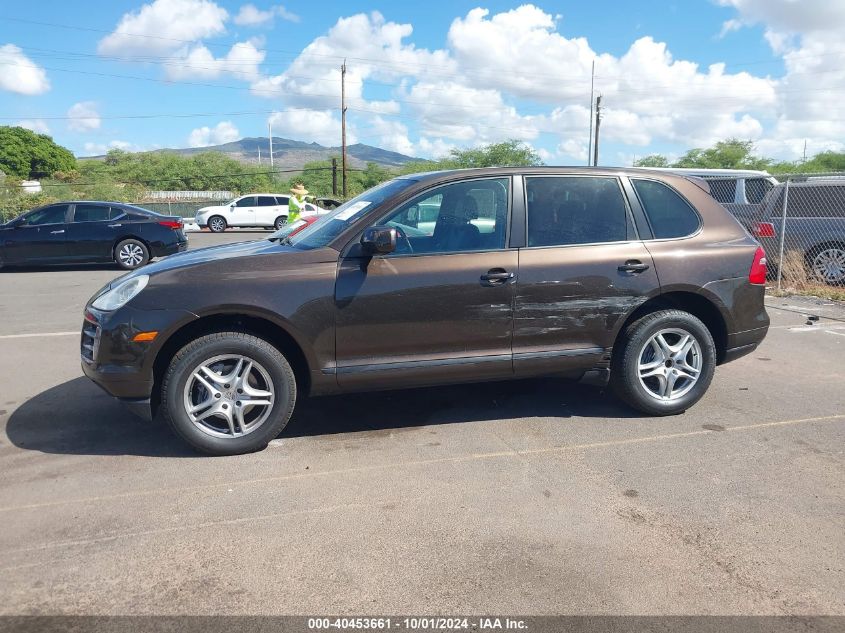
{"points": [[77, 418]]}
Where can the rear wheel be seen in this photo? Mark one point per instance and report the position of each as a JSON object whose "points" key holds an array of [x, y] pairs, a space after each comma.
{"points": [[664, 363], [827, 263], [228, 393], [131, 254], [217, 224], [280, 221]]}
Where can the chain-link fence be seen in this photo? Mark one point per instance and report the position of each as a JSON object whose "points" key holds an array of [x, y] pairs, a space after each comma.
{"points": [[798, 218], [182, 208]]}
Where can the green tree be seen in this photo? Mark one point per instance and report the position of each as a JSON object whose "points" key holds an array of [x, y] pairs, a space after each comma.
{"points": [[511, 153], [653, 160], [731, 153], [25, 154]]}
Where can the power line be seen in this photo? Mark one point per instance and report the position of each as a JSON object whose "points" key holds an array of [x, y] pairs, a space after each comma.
{"points": [[188, 178]]}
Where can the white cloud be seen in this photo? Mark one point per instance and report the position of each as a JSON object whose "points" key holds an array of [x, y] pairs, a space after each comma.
{"points": [[36, 125], [163, 26], [242, 62], [250, 15], [18, 73], [808, 35], [223, 132], [83, 117], [96, 149], [318, 126]]}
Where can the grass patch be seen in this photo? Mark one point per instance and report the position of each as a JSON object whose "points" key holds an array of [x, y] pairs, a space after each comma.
{"points": [[797, 279]]}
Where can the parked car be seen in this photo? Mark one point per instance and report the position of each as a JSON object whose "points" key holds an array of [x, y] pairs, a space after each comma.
{"points": [[87, 232], [292, 228], [266, 210], [815, 226], [328, 203], [635, 277], [740, 191]]}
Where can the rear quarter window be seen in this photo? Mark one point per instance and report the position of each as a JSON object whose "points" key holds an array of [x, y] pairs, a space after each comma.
{"points": [[723, 189], [668, 213]]}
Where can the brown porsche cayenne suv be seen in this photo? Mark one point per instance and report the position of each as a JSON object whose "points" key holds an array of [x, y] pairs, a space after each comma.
{"points": [[626, 276]]}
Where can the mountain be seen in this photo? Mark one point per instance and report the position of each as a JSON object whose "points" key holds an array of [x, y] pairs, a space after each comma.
{"points": [[291, 154]]}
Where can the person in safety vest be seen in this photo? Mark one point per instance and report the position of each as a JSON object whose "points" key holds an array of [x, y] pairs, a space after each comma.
{"points": [[297, 199]]}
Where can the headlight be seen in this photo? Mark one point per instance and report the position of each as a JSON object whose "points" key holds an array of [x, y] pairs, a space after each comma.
{"points": [[121, 294]]}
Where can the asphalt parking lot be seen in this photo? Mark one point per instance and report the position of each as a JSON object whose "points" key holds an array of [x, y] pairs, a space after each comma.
{"points": [[532, 497]]}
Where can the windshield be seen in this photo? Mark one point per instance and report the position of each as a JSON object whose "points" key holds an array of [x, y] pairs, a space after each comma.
{"points": [[336, 222]]}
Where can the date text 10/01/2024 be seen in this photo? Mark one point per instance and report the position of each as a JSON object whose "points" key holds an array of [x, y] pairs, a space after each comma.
{"points": [[417, 624]]}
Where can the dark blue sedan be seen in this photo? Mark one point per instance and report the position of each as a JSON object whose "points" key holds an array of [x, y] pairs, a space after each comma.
{"points": [[89, 232]]}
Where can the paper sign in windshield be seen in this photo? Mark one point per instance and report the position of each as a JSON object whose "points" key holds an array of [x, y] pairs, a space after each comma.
{"points": [[352, 210]]}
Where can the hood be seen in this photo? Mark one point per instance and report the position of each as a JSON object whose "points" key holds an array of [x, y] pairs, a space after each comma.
{"points": [[214, 253], [217, 207]]}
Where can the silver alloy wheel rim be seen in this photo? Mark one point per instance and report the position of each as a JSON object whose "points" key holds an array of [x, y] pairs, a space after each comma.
{"points": [[280, 223], [829, 265], [131, 255], [670, 364], [217, 224], [229, 396]]}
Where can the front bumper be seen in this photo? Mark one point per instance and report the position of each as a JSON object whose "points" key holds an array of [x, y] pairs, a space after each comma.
{"points": [[121, 366]]}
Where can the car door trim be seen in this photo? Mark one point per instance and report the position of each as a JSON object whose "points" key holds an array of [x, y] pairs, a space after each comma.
{"points": [[417, 364]]}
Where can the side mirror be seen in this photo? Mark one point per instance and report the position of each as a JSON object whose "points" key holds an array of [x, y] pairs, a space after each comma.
{"points": [[379, 239]]}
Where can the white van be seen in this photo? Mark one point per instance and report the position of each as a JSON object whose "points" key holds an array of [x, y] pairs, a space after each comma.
{"points": [[267, 210]]}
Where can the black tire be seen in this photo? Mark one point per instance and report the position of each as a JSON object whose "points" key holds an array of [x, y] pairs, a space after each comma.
{"points": [[199, 351], [217, 224], [625, 365], [280, 221], [130, 254]]}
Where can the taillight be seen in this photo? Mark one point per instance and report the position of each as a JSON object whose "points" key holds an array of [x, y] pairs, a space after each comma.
{"points": [[757, 274], [172, 224], [764, 229]]}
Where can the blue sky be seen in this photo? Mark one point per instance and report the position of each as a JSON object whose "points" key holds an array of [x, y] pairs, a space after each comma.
{"points": [[426, 77]]}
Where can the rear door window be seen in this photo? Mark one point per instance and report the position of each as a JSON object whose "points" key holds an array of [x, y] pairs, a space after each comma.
{"points": [[756, 189], [266, 201], [91, 213], [575, 210], [723, 189], [668, 213]]}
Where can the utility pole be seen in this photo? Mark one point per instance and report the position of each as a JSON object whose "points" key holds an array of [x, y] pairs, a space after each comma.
{"points": [[270, 130], [334, 176], [343, 123], [590, 136], [804, 159], [598, 123], [259, 153]]}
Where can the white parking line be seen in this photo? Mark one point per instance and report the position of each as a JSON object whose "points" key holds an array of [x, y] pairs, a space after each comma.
{"points": [[40, 334]]}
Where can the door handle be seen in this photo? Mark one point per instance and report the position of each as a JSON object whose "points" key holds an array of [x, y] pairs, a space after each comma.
{"points": [[496, 277], [114, 226], [633, 266], [57, 232]]}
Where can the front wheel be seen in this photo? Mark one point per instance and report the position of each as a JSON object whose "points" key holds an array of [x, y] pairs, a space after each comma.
{"points": [[664, 362], [217, 224], [131, 254], [228, 393]]}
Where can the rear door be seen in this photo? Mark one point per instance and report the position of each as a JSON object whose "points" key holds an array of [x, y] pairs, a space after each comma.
{"points": [[266, 210], [40, 237], [93, 231], [582, 271]]}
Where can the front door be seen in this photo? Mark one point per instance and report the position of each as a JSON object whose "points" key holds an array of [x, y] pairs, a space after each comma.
{"points": [[439, 308], [39, 238], [583, 270]]}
